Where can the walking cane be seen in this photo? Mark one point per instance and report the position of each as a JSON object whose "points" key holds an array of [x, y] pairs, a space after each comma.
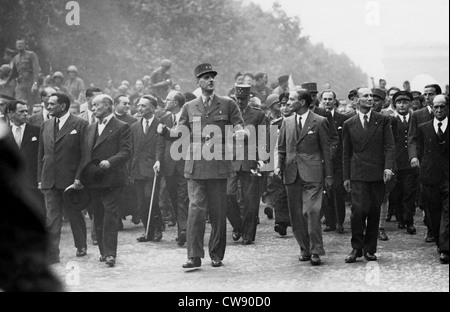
{"points": [[151, 204]]}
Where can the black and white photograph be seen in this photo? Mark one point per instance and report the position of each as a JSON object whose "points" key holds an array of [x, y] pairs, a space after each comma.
{"points": [[224, 152]]}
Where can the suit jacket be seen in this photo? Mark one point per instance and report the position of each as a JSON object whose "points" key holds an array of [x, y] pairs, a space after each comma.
{"points": [[29, 151], [307, 154], [37, 120], [128, 119], [168, 165], [338, 121], [432, 155], [401, 134], [114, 145], [60, 162], [254, 117], [146, 149], [418, 117], [222, 112], [334, 136], [368, 153]]}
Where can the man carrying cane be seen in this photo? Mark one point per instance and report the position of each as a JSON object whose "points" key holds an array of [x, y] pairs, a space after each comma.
{"points": [[144, 156]]}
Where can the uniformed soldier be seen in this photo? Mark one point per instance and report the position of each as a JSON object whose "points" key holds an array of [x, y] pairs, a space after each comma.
{"points": [[246, 172], [207, 178]]}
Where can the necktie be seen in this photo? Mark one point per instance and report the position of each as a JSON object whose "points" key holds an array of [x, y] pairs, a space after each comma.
{"points": [[48, 116], [440, 133], [299, 127], [405, 122], [207, 102], [366, 122], [174, 120], [56, 127], [147, 125], [18, 136]]}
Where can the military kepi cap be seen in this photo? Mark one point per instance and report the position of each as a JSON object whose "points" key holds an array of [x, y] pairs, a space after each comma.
{"points": [[310, 86], [242, 91], [203, 69], [416, 94], [402, 95], [379, 93]]}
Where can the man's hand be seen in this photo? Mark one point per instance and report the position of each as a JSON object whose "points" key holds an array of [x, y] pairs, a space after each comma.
{"points": [[387, 175], [348, 186], [157, 167], [105, 165], [278, 173], [260, 164], [161, 128], [415, 163], [77, 185], [328, 182]]}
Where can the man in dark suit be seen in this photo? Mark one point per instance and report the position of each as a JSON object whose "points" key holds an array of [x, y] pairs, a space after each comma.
{"points": [[419, 117], [207, 182], [109, 141], [304, 155], [145, 153], [245, 224], [403, 196], [432, 152], [173, 170], [129, 200], [26, 137], [60, 163], [369, 159], [38, 119], [335, 214]]}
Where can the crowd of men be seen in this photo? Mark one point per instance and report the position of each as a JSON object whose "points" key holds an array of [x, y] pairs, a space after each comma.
{"points": [[386, 153]]}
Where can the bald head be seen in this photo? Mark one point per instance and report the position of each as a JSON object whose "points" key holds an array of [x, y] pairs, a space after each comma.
{"points": [[102, 106], [440, 107], [440, 98]]}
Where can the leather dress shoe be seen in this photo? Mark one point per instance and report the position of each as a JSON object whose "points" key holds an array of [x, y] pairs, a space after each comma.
{"points": [[340, 229], [236, 235], [82, 252], [216, 263], [356, 253], [110, 261], [102, 259], [182, 238], [370, 257], [247, 242], [315, 260], [280, 228], [268, 212], [429, 238], [193, 263], [157, 237], [443, 258], [382, 235], [329, 229], [401, 225], [411, 229], [304, 258], [143, 239]]}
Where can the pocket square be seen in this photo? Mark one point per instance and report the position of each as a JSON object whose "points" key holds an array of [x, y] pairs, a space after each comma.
{"points": [[311, 132], [34, 139], [74, 132], [340, 128]]}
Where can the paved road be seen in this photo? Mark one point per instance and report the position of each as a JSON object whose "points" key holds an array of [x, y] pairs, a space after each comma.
{"points": [[406, 263]]}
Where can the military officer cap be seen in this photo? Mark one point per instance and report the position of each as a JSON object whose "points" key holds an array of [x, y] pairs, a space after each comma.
{"points": [[310, 86], [352, 94], [72, 68], [416, 94], [203, 69], [379, 93], [284, 78], [402, 95], [272, 100], [243, 91]]}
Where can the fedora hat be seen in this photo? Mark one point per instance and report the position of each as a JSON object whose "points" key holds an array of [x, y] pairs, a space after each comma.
{"points": [[77, 199], [92, 174]]}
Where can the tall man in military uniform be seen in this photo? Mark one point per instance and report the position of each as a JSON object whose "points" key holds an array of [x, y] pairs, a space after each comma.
{"points": [[245, 225], [26, 72], [207, 183]]}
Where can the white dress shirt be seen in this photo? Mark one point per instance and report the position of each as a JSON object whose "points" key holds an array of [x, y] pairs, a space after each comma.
{"points": [[63, 120], [401, 116], [361, 117], [102, 125], [443, 127], [304, 117], [204, 98], [18, 133], [144, 121]]}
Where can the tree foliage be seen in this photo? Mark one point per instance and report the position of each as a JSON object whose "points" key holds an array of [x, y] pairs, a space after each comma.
{"points": [[128, 39]]}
